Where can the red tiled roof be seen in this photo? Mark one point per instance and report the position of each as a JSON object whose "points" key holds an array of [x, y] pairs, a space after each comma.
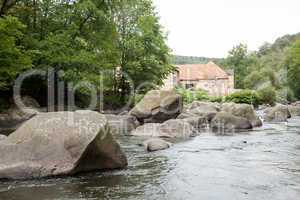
{"points": [[194, 72]]}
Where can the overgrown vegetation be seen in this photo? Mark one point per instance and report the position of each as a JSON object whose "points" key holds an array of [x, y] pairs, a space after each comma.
{"points": [[190, 96], [244, 96], [265, 96]]}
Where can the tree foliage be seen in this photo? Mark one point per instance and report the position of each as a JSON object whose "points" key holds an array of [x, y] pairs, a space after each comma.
{"points": [[272, 66], [13, 58], [293, 67], [84, 38]]}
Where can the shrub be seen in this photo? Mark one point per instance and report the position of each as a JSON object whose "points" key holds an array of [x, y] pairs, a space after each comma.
{"points": [[267, 95], [190, 96], [244, 96], [216, 99]]}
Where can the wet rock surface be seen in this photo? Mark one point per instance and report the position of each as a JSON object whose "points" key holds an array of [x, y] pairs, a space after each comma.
{"points": [[279, 113], [243, 110], [226, 122], [156, 144], [122, 124], [170, 129]]}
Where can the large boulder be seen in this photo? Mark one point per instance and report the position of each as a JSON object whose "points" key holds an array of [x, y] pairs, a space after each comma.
{"points": [[203, 108], [174, 128], [199, 123], [156, 144], [207, 110], [158, 106], [2, 137], [243, 110], [122, 124], [226, 122], [62, 143], [294, 110], [297, 103], [279, 113], [13, 118]]}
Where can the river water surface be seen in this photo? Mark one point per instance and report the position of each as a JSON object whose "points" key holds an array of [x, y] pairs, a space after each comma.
{"points": [[262, 164]]}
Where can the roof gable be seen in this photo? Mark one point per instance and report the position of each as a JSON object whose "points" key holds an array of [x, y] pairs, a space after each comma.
{"points": [[201, 72]]}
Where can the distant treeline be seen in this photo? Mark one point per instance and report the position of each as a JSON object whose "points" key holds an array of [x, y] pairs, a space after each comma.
{"points": [[180, 60]]}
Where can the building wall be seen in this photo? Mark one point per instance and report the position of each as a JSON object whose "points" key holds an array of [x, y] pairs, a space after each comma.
{"points": [[216, 87], [170, 82], [219, 87]]}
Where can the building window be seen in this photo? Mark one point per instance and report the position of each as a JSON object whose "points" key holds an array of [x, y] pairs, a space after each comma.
{"points": [[189, 85]]}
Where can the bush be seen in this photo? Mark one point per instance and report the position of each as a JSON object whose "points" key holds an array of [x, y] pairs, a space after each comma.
{"points": [[190, 96], [244, 96], [216, 99], [267, 95]]}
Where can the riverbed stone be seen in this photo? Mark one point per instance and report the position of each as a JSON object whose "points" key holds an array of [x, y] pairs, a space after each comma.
{"points": [[174, 128], [201, 109], [199, 123], [294, 110], [62, 143], [156, 144], [3, 137], [158, 106], [122, 124], [297, 103], [227, 122], [279, 113], [243, 110], [15, 116]]}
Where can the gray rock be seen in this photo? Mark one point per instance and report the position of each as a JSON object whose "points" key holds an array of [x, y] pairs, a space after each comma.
{"points": [[158, 106], [156, 144], [297, 103], [204, 106], [199, 123], [243, 110], [14, 117], [279, 113], [62, 143], [294, 110], [185, 115], [122, 124], [203, 109], [174, 128], [2, 137], [226, 122]]}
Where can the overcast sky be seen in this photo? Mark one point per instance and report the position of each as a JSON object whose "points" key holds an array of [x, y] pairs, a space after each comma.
{"points": [[212, 27]]}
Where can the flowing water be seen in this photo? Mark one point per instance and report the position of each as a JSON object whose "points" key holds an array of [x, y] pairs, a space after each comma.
{"points": [[263, 164]]}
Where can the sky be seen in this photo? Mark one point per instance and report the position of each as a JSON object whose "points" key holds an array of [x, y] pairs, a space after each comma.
{"points": [[211, 28]]}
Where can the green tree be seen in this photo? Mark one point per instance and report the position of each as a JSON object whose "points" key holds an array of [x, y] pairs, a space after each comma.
{"points": [[144, 55], [239, 60], [13, 58], [293, 68]]}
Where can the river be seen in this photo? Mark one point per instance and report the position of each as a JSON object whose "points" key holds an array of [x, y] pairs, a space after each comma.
{"points": [[262, 164]]}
